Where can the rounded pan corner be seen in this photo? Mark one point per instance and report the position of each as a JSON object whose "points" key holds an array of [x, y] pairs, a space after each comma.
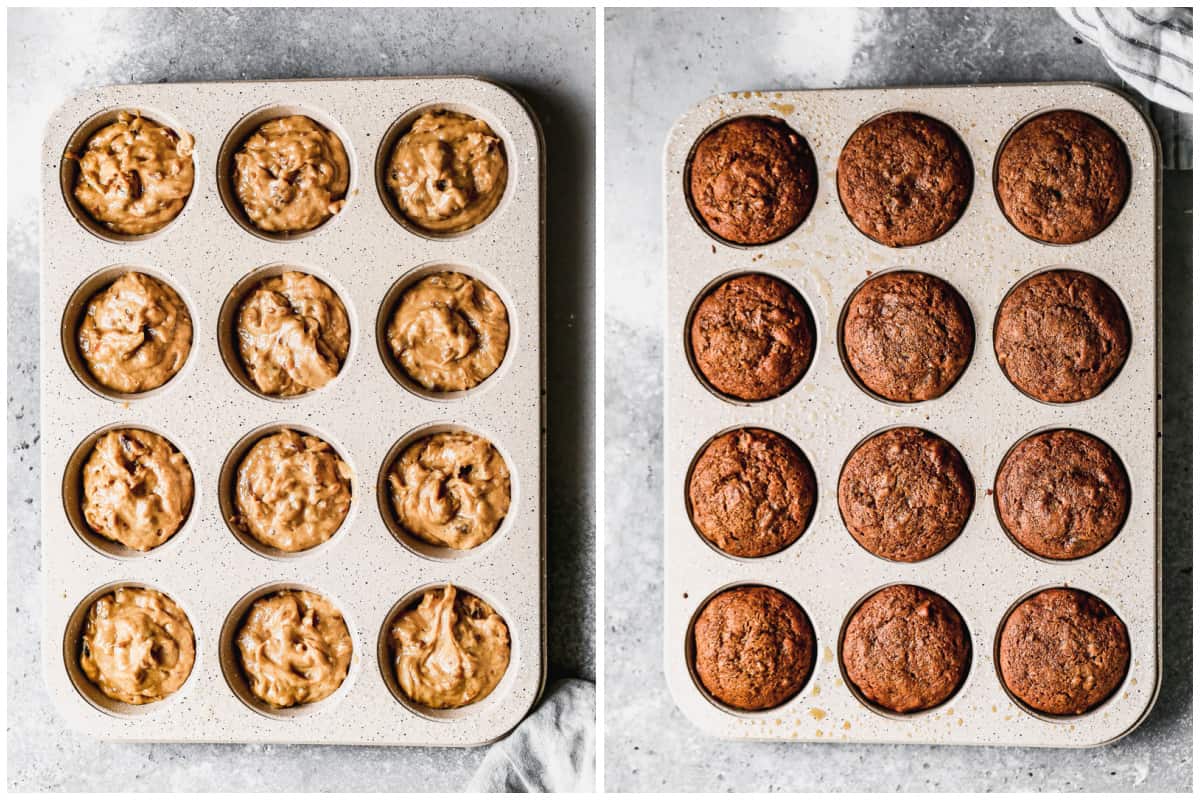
{"points": [[522, 103]]}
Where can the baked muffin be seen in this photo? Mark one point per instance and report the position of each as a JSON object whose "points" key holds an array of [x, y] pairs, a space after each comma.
{"points": [[1063, 651], [906, 649], [752, 180], [1062, 494], [1061, 336], [752, 337], [1062, 177], [904, 178], [905, 494], [908, 336], [754, 647], [752, 493]]}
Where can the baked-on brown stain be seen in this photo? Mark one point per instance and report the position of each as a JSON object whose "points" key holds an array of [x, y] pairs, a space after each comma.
{"points": [[752, 180], [1061, 336], [1062, 177], [904, 178]]}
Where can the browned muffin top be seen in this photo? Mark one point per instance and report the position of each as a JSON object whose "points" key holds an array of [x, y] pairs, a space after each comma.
{"points": [[752, 492], [752, 180], [905, 494], [1062, 494], [754, 647], [908, 336], [1061, 336], [906, 649], [752, 337], [904, 178], [1063, 651], [1062, 177]]}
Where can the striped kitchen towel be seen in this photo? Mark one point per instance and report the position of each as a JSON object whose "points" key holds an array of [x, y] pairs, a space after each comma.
{"points": [[1150, 48]]}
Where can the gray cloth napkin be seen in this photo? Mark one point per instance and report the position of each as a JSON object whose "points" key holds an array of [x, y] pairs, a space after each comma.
{"points": [[552, 750], [1151, 50]]}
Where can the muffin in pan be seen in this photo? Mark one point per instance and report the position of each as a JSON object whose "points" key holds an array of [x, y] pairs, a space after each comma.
{"points": [[752, 180], [906, 649], [752, 492], [904, 178], [907, 336], [1061, 336], [752, 337], [1063, 652], [1062, 177], [1062, 494], [905, 494], [754, 647]]}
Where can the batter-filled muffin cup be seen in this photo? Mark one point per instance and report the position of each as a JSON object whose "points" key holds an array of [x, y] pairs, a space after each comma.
{"points": [[293, 334], [450, 489], [134, 175], [752, 180], [1063, 652], [754, 647], [906, 649], [1061, 336], [1062, 494], [752, 337], [137, 488], [449, 649], [448, 172], [137, 645], [292, 491], [751, 493], [1062, 177], [291, 175], [904, 178], [449, 332], [294, 648], [907, 336], [135, 334], [905, 494]]}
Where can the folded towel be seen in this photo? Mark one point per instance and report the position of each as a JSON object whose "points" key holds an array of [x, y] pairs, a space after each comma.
{"points": [[552, 750]]}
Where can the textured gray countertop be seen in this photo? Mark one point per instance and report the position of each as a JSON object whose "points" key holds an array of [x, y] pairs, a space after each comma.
{"points": [[547, 56], [659, 63]]}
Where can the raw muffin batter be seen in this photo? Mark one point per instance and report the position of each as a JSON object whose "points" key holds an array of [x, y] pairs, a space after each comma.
{"points": [[293, 491], [293, 334], [1062, 494], [755, 647], [137, 646], [137, 488], [449, 332], [294, 648], [448, 172], [752, 180], [134, 175], [752, 337], [450, 489], [450, 650], [135, 335], [1061, 336], [1063, 651], [752, 492], [906, 649], [905, 494], [908, 336], [291, 175]]}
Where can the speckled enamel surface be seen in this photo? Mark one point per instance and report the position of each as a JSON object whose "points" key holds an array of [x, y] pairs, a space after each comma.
{"points": [[983, 573], [205, 412]]}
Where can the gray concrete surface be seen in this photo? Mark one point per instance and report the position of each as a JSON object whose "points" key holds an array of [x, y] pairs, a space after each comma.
{"points": [[660, 62], [545, 55]]}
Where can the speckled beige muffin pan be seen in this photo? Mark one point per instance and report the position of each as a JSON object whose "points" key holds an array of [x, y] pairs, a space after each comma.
{"points": [[982, 573], [364, 253]]}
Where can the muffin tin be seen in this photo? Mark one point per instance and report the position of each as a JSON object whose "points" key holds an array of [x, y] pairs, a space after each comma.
{"points": [[366, 569], [983, 573]]}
